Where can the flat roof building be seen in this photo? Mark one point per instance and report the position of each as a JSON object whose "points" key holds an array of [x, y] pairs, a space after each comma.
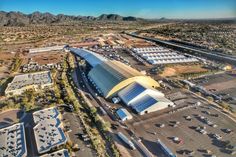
{"points": [[12, 141], [45, 49], [160, 55], [150, 103], [48, 130], [36, 81]]}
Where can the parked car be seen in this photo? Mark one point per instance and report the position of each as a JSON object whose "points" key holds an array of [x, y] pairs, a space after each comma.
{"points": [[216, 136]]}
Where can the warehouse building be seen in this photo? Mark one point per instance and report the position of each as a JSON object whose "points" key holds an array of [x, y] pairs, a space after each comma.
{"points": [[48, 130], [151, 103], [149, 49], [160, 55], [35, 81], [46, 49], [12, 141], [144, 99]]}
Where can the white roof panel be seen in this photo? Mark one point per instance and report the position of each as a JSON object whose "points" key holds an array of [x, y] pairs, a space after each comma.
{"points": [[92, 58]]}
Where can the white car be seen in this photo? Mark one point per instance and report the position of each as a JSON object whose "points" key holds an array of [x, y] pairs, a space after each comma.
{"points": [[188, 118], [214, 125], [202, 117], [216, 136], [228, 131], [202, 131]]}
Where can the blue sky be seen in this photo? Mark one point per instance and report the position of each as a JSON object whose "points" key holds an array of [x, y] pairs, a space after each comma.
{"points": [[139, 8]]}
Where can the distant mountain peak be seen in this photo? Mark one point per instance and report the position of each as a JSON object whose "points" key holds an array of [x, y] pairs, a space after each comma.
{"points": [[21, 19]]}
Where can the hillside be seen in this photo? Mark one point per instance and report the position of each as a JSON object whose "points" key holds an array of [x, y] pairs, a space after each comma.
{"points": [[21, 19]]}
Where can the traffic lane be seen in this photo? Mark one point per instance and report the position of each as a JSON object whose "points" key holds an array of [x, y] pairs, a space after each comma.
{"points": [[29, 135], [100, 101], [124, 149], [30, 142]]}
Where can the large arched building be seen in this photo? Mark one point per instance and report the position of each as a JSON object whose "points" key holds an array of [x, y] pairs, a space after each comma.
{"points": [[112, 76], [115, 79]]}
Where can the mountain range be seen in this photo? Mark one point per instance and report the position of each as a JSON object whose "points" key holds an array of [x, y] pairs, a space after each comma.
{"points": [[21, 19]]}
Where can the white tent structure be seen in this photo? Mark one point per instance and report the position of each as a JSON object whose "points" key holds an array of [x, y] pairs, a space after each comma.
{"points": [[144, 99]]}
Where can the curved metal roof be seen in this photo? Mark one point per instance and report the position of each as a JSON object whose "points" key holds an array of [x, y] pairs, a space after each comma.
{"points": [[110, 73], [92, 58]]}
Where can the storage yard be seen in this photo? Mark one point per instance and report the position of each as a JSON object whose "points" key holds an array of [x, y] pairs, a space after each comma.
{"points": [[46, 57]]}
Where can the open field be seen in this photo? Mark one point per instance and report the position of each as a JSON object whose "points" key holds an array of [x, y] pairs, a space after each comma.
{"points": [[46, 57], [176, 70], [5, 63], [221, 84]]}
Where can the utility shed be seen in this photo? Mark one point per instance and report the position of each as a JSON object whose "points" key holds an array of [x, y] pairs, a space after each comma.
{"points": [[124, 114]]}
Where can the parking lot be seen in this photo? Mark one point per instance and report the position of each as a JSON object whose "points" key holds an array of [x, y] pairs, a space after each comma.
{"points": [[76, 133], [223, 85], [199, 131]]}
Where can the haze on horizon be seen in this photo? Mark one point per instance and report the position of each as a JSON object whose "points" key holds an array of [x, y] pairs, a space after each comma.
{"points": [[181, 9]]}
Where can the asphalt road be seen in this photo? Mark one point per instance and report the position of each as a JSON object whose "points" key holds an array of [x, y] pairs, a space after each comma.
{"points": [[72, 121]]}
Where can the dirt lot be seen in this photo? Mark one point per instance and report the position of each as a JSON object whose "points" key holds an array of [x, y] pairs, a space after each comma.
{"points": [[5, 63], [182, 69], [10, 117], [46, 57], [220, 84]]}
